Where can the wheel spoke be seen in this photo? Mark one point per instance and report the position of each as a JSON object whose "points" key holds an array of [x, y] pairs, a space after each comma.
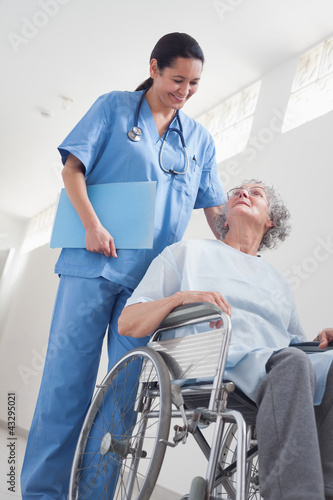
{"points": [[225, 487], [119, 419]]}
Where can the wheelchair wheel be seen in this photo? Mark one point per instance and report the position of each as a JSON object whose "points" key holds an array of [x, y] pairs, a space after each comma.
{"points": [[226, 489], [119, 453]]}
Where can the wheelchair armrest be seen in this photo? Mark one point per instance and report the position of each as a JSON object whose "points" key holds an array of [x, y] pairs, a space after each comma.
{"points": [[189, 314], [311, 346], [195, 311]]}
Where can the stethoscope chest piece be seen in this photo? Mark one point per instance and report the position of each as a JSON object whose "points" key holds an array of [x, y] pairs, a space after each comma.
{"points": [[135, 134]]}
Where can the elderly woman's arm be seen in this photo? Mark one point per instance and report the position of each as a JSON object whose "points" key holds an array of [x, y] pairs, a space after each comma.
{"points": [[141, 319]]}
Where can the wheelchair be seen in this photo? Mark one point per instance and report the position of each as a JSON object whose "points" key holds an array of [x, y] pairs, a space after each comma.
{"points": [[179, 375]]}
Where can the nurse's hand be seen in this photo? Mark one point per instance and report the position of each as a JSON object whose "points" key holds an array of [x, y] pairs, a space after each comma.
{"points": [[99, 240], [324, 337]]}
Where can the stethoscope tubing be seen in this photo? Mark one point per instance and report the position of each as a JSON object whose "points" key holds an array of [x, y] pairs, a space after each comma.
{"points": [[136, 133]]}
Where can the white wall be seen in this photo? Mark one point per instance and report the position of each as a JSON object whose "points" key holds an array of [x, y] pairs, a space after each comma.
{"points": [[298, 163]]}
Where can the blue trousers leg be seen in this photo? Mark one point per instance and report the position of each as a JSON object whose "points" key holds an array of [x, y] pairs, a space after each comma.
{"points": [[83, 310], [99, 472]]}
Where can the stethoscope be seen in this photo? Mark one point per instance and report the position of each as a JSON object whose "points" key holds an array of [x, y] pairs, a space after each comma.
{"points": [[136, 133]]}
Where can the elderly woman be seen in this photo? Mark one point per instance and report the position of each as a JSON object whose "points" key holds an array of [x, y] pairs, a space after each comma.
{"points": [[295, 437]]}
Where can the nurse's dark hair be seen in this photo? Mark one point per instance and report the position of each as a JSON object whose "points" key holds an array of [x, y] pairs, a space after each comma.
{"points": [[277, 212], [169, 48]]}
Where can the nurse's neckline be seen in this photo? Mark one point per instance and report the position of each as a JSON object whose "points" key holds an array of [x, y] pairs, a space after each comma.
{"points": [[162, 121], [162, 130]]}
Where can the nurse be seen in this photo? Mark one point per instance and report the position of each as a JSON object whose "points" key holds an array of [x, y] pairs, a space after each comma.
{"points": [[120, 139]]}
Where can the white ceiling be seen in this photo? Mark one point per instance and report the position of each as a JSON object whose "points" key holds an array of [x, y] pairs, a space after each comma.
{"points": [[83, 48]]}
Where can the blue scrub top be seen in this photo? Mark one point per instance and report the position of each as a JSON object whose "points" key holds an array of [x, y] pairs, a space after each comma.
{"points": [[101, 143]]}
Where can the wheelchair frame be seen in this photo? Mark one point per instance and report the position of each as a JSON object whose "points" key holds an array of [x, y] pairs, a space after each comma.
{"points": [[216, 411], [166, 388], [119, 454]]}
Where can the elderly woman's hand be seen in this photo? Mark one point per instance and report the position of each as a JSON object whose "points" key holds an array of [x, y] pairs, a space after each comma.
{"points": [[216, 298], [211, 297], [324, 337]]}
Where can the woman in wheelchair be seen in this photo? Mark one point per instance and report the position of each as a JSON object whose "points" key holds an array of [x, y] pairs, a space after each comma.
{"points": [[293, 390]]}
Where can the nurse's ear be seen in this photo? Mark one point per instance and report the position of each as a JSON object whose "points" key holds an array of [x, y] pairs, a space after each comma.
{"points": [[153, 68]]}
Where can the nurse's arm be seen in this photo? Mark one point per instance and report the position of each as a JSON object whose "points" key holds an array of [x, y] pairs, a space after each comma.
{"points": [[142, 319], [97, 238], [210, 213]]}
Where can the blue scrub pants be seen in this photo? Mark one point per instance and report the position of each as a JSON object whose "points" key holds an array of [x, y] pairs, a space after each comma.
{"points": [[84, 309]]}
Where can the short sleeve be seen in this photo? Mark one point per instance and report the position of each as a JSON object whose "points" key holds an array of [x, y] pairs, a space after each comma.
{"points": [[211, 192], [87, 138]]}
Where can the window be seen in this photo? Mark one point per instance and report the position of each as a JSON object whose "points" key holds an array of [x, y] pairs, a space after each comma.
{"points": [[312, 90], [230, 122], [39, 230]]}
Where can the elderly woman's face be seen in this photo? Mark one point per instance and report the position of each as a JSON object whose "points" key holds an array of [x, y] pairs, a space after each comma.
{"points": [[249, 200]]}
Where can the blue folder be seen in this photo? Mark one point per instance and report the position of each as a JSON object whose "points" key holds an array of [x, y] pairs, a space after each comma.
{"points": [[125, 209]]}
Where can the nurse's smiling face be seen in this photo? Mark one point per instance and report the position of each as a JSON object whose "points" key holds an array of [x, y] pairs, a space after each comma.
{"points": [[174, 85]]}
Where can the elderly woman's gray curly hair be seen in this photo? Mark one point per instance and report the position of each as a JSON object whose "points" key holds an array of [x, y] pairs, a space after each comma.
{"points": [[277, 212]]}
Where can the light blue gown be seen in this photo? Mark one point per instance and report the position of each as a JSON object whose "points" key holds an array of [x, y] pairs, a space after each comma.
{"points": [[264, 315], [85, 308]]}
